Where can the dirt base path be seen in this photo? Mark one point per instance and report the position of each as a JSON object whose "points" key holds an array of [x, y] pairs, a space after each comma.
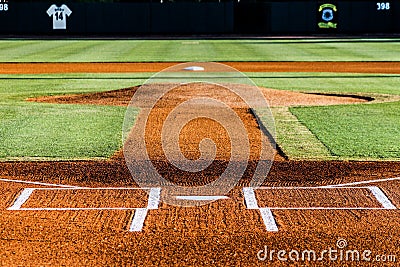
{"points": [[353, 67]]}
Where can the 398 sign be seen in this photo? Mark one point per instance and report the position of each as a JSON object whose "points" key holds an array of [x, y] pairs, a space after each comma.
{"points": [[3, 5], [383, 6]]}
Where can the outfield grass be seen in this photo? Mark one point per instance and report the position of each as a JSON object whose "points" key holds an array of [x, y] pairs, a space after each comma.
{"points": [[350, 83], [199, 50]]}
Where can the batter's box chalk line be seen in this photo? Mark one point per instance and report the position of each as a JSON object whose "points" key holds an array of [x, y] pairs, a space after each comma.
{"points": [[138, 217], [267, 212]]}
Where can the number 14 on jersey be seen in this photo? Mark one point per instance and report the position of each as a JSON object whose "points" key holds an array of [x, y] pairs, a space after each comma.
{"points": [[59, 15]]}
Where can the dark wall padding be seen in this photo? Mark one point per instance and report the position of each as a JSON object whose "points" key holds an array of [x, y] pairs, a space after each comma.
{"points": [[275, 17]]}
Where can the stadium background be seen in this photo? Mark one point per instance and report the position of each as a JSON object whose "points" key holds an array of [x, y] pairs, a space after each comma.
{"points": [[200, 17]]}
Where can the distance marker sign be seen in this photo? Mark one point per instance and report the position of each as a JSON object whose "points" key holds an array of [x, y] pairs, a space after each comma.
{"points": [[3, 5], [327, 16]]}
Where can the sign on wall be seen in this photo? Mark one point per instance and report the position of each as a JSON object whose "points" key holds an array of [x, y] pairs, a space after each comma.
{"points": [[3, 5], [327, 16], [59, 15]]}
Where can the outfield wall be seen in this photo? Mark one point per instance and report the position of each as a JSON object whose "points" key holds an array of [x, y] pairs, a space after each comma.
{"points": [[269, 17]]}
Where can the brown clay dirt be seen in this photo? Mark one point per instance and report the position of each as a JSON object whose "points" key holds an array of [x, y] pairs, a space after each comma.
{"points": [[353, 67], [222, 233]]}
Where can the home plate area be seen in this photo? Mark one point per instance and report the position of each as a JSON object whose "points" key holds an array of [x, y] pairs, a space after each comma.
{"points": [[265, 200]]}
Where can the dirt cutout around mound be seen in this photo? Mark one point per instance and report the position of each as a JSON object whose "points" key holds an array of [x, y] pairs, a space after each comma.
{"points": [[274, 98]]}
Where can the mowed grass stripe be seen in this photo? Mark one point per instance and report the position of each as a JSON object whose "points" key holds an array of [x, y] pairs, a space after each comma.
{"points": [[199, 50], [296, 140], [17, 88]]}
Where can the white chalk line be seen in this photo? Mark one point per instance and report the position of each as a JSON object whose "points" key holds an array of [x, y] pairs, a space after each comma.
{"points": [[382, 198], [269, 220], [201, 198], [21, 199], [39, 183], [154, 198], [376, 191], [250, 198], [138, 220], [268, 217], [93, 188], [266, 214], [73, 209], [140, 214], [361, 182]]}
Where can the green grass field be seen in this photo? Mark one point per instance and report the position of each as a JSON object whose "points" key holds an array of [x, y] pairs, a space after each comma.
{"points": [[51, 131], [199, 50]]}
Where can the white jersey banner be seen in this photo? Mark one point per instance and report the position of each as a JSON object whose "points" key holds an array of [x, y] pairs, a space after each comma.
{"points": [[59, 16]]}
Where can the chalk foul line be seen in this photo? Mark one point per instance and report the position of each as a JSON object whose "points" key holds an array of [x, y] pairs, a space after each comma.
{"points": [[38, 183], [361, 182]]}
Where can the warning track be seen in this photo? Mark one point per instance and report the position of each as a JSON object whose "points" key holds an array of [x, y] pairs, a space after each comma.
{"points": [[109, 67]]}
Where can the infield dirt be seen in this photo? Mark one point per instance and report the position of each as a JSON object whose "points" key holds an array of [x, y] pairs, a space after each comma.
{"points": [[222, 233]]}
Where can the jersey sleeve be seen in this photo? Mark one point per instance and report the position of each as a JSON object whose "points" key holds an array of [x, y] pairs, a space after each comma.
{"points": [[66, 10], [51, 9]]}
